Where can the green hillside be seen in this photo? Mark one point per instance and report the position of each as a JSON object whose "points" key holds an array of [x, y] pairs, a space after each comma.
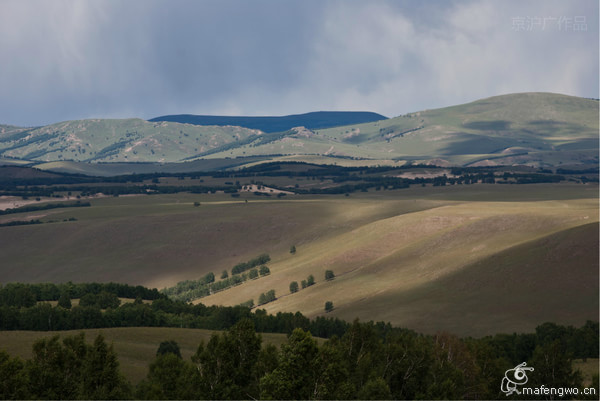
{"points": [[129, 140], [529, 128], [538, 129]]}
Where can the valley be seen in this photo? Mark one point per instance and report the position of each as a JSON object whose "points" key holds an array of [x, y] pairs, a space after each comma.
{"points": [[473, 219]]}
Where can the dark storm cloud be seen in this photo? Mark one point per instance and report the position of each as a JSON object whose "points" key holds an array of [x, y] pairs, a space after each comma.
{"points": [[68, 59], [84, 59]]}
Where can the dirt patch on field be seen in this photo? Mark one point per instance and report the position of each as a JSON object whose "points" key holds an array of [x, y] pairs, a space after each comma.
{"points": [[426, 174], [12, 202], [264, 190]]}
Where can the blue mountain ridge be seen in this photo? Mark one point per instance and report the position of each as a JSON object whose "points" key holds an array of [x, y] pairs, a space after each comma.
{"points": [[269, 124]]}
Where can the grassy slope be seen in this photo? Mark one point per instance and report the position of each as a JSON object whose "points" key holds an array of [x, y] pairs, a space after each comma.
{"points": [[383, 246], [379, 265], [135, 346], [126, 140], [159, 240], [497, 128], [554, 278]]}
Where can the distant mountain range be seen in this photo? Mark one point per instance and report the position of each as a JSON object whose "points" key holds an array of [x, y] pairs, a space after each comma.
{"points": [[539, 129], [269, 124]]}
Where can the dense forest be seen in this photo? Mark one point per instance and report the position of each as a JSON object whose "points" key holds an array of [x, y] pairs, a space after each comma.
{"points": [[362, 360], [368, 361]]}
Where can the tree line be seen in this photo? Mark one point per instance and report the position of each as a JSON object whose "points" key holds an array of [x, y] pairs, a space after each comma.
{"points": [[24, 307], [367, 361], [364, 177], [27, 295], [64, 370], [189, 290]]}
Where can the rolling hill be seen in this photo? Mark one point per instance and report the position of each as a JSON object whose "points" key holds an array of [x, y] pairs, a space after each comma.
{"points": [[128, 140], [270, 124], [537, 129], [471, 260], [467, 267]]}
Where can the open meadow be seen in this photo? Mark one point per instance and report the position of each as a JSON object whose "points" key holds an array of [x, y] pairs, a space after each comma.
{"points": [[471, 260]]}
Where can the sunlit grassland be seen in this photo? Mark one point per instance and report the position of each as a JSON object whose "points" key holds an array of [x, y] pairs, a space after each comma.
{"points": [[395, 253], [384, 268]]}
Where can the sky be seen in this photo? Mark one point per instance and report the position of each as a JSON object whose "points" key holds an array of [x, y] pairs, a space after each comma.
{"points": [[71, 59]]}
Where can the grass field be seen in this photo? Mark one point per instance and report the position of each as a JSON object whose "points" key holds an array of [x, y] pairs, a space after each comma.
{"points": [[471, 260], [135, 346]]}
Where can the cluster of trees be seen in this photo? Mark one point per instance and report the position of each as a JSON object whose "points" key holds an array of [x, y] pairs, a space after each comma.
{"points": [[248, 304], [67, 370], [240, 278], [19, 310], [102, 300], [257, 261], [266, 297], [367, 361], [310, 280], [189, 290], [27, 295]]}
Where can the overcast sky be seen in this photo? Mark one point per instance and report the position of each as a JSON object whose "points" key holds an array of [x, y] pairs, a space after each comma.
{"points": [[74, 59]]}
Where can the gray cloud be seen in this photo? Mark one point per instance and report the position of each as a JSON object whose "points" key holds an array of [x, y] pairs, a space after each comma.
{"points": [[68, 59]]}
